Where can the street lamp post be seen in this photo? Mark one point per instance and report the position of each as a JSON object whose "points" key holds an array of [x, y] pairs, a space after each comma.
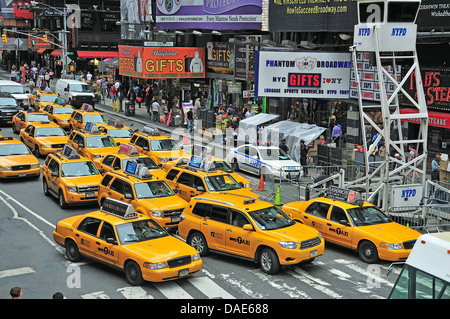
{"points": [[64, 39]]}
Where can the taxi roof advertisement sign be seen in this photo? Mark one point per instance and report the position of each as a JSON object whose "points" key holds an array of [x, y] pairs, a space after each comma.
{"points": [[312, 15], [161, 62], [209, 14], [302, 74]]}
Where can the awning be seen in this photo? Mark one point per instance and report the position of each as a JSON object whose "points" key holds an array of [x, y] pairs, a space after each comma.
{"points": [[40, 51], [56, 52], [97, 54], [438, 119], [114, 62]]}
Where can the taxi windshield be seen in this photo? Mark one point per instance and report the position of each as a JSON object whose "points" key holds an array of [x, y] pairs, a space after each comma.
{"points": [[99, 141], [147, 161], [120, 133], [274, 154], [221, 165], [271, 218], [63, 110], [370, 215], [152, 190], [49, 98], [141, 230], [221, 183], [164, 145], [13, 149], [78, 169], [50, 131], [95, 118], [37, 118]]}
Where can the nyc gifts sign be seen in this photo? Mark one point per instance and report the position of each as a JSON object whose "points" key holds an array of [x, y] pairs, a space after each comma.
{"points": [[162, 62]]}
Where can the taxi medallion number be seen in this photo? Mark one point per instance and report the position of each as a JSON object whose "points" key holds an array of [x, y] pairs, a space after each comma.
{"points": [[90, 195], [313, 253], [22, 174], [183, 272]]}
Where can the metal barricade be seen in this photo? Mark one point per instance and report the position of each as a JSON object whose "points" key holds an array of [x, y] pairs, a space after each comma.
{"points": [[426, 218]]}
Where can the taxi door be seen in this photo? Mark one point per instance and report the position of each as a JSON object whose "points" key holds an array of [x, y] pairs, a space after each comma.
{"points": [[106, 249], [121, 190], [28, 132], [339, 228], [239, 241], [213, 227], [316, 216], [51, 175], [189, 186], [86, 236]]}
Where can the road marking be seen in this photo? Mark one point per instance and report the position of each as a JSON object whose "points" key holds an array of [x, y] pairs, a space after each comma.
{"points": [[238, 283], [96, 295], [172, 290], [134, 293], [209, 288], [276, 283], [316, 283], [16, 272]]}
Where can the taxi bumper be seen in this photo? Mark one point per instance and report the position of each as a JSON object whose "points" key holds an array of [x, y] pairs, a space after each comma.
{"points": [[295, 256], [393, 254], [47, 150], [77, 198], [58, 238], [20, 173], [167, 274]]}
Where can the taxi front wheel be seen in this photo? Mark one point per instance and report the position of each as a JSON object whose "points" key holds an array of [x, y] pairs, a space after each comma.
{"points": [[368, 252], [72, 252], [133, 273], [268, 260], [198, 241]]}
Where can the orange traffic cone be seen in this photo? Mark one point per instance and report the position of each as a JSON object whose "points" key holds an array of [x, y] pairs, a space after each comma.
{"points": [[261, 186], [186, 140]]}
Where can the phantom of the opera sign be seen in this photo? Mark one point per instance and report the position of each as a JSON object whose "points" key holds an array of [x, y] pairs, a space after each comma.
{"points": [[302, 74]]}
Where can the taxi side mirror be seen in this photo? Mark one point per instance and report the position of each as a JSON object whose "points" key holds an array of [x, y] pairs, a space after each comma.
{"points": [[248, 227], [175, 190], [111, 241], [200, 188], [55, 174], [344, 222], [128, 196]]}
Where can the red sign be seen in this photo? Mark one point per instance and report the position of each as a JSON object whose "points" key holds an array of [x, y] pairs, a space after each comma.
{"points": [[437, 119], [162, 62]]}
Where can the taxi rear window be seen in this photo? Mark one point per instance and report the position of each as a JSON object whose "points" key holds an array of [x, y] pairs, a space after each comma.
{"points": [[201, 209]]}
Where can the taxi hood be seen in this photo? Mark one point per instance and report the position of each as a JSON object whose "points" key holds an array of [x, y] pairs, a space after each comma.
{"points": [[53, 139], [164, 203], [241, 191], [296, 233], [19, 160], [91, 180], [161, 249], [391, 232]]}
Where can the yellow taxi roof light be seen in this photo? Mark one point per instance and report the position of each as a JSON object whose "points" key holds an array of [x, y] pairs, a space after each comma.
{"points": [[201, 164], [115, 123], [128, 149], [91, 128], [118, 208], [69, 152], [87, 107], [139, 171], [344, 195], [150, 130]]}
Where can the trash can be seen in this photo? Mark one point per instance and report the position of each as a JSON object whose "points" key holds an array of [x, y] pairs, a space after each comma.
{"points": [[129, 108]]}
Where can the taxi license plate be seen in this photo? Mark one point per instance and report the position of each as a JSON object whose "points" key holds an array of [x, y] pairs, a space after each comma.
{"points": [[22, 174], [175, 219], [90, 195], [183, 272], [313, 253]]}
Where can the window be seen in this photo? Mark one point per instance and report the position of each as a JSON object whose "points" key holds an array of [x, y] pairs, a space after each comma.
{"points": [[402, 11], [133, 138], [106, 180], [118, 186], [53, 166], [238, 219], [318, 209], [219, 213], [142, 142], [186, 179], [201, 209], [90, 226], [172, 174], [107, 232], [109, 160], [371, 12], [338, 215]]}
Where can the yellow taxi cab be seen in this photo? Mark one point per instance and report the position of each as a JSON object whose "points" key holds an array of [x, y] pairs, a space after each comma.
{"points": [[119, 132], [42, 99], [344, 219], [159, 148], [199, 176], [90, 142], [43, 138], [148, 194], [23, 118], [71, 178], [85, 114], [60, 114], [16, 160], [248, 228], [118, 161], [133, 243]]}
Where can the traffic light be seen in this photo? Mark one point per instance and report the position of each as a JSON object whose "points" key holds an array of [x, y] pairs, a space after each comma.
{"points": [[45, 38], [4, 40]]}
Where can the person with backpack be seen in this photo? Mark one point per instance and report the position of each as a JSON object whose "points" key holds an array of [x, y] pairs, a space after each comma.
{"points": [[113, 94]]}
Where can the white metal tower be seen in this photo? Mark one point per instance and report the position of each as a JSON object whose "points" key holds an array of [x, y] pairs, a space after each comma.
{"points": [[386, 31]]}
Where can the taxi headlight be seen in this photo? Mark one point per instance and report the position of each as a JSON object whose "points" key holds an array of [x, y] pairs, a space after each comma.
{"points": [[63, 121], [5, 168], [155, 266], [35, 165], [72, 189], [288, 244], [391, 246], [248, 185], [164, 160], [157, 213], [97, 156], [195, 257], [46, 146]]}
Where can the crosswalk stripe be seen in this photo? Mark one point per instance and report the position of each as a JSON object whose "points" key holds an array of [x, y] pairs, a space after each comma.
{"points": [[16, 272], [95, 295], [210, 288], [315, 283], [172, 290], [134, 293]]}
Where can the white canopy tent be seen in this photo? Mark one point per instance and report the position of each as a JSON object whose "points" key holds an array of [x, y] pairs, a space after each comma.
{"points": [[293, 132], [248, 128]]}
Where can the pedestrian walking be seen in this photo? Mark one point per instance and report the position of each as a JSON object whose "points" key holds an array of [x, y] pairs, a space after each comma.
{"points": [[120, 99], [155, 110], [336, 134], [113, 94], [304, 154], [435, 167], [190, 119], [15, 292]]}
